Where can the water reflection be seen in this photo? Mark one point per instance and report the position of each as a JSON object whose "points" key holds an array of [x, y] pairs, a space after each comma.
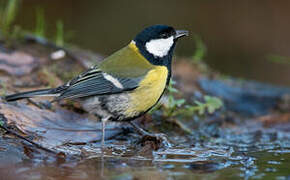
{"points": [[237, 154]]}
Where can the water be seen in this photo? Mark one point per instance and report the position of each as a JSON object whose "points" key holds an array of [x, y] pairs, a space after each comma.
{"points": [[243, 152]]}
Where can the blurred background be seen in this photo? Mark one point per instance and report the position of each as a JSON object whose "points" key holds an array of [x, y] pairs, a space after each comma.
{"points": [[242, 38]]}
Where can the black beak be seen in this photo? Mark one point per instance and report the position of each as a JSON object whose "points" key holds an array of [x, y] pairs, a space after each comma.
{"points": [[180, 33]]}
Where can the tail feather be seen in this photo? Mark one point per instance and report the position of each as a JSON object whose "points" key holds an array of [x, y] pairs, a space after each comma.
{"points": [[29, 94]]}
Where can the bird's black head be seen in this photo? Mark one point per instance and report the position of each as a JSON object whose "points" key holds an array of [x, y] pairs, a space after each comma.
{"points": [[156, 43]]}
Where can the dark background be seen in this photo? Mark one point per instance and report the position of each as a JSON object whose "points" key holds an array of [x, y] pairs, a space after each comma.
{"points": [[239, 35]]}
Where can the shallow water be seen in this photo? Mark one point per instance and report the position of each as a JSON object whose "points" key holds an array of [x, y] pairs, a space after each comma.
{"points": [[247, 152]]}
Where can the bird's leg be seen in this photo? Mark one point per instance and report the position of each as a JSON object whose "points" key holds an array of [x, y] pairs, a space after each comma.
{"points": [[104, 120], [103, 133], [161, 137], [139, 129]]}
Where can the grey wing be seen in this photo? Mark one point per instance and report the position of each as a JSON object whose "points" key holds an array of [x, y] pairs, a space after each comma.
{"points": [[95, 82]]}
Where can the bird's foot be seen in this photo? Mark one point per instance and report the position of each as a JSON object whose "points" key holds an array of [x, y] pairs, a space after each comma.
{"points": [[160, 139]]}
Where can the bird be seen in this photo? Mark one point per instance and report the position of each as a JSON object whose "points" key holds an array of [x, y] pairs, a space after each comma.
{"points": [[126, 84]]}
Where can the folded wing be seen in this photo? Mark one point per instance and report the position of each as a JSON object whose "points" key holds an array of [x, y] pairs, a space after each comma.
{"points": [[96, 82]]}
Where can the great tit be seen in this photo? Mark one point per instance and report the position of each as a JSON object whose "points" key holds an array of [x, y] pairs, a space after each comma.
{"points": [[126, 84]]}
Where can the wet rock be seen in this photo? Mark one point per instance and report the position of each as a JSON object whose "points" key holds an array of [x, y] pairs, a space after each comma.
{"points": [[247, 97], [59, 129]]}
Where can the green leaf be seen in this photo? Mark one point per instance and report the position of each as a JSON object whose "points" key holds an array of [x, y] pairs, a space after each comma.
{"points": [[278, 59], [180, 102], [172, 90], [172, 82], [59, 39], [8, 13], [201, 110], [213, 103], [2, 123], [201, 49], [211, 109], [40, 23], [198, 103]]}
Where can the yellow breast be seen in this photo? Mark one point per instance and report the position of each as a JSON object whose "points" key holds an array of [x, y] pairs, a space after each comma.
{"points": [[149, 91]]}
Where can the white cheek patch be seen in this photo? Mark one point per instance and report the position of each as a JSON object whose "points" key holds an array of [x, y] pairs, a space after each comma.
{"points": [[159, 47], [113, 80]]}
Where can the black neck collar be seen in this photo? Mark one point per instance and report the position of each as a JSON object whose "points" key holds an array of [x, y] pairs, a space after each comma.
{"points": [[158, 61]]}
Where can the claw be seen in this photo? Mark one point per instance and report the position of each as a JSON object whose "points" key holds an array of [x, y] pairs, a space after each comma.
{"points": [[161, 140], [158, 138]]}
